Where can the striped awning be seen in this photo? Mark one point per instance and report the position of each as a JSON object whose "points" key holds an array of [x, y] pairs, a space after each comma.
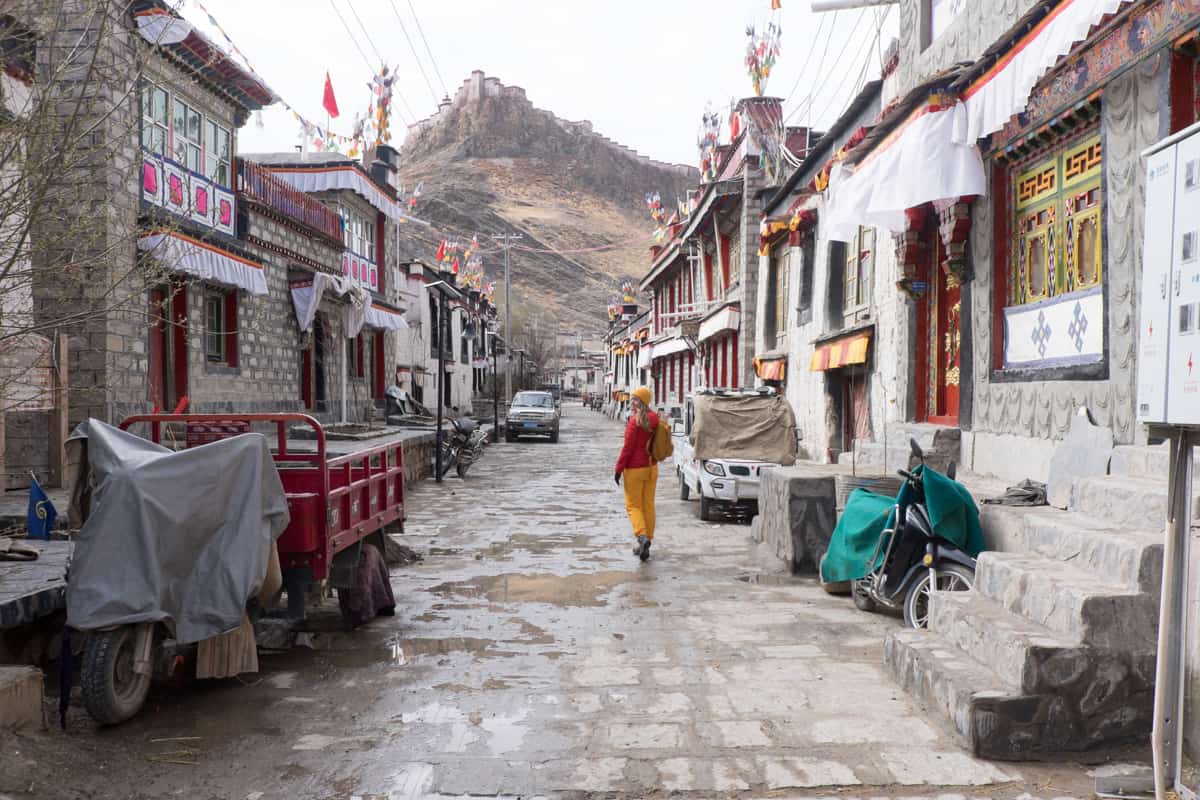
{"points": [[771, 369], [181, 253], [841, 352]]}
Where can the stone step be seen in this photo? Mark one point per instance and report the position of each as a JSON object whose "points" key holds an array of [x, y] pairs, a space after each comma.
{"points": [[993, 719], [996, 720], [1022, 653], [1127, 558], [1141, 461], [1121, 501], [1068, 600]]}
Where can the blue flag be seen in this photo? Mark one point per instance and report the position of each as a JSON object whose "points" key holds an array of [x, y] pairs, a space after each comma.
{"points": [[40, 518]]}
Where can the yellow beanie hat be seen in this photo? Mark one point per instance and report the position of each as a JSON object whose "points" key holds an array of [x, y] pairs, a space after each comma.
{"points": [[643, 393]]}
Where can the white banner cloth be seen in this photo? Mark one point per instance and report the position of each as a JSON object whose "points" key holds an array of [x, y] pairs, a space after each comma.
{"points": [[185, 254], [670, 347], [917, 163], [306, 297], [990, 104]]}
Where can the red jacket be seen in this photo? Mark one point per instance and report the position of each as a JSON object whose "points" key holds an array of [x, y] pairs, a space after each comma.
{"points": [[636, 451]]}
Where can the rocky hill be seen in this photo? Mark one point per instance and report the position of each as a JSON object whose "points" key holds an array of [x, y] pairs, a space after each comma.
{"points": [[491, 163]]}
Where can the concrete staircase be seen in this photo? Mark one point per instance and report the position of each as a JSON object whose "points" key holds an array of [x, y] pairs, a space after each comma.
{"points": [[1054, 649]]}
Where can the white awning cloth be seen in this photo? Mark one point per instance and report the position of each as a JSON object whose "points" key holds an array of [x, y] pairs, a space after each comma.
{"points": [[726, 319], [991, 101], [326, 179], [181, 253], [670, 347], [385, 319], [645, 356], [917, 163]]}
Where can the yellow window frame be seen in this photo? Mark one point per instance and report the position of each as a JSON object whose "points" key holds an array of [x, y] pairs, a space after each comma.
{"points": [[1092, 214], [1050, 247]]}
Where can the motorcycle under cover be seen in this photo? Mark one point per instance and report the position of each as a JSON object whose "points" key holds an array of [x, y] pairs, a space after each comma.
{"points": [[182, 536], [746, 428], [952, 511]]}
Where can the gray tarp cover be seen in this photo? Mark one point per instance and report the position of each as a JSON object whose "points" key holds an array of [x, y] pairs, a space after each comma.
{"points": [[749, 428], [182, 536]]}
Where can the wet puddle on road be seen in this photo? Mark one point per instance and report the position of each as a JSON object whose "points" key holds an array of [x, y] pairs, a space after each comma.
{"points": [[583, 589]]}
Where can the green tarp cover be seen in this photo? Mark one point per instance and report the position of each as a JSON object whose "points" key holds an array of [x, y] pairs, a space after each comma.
{"points": [[951, 509]]}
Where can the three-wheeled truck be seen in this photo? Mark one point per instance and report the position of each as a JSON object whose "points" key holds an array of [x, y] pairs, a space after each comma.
{"points": [[337, 507]]}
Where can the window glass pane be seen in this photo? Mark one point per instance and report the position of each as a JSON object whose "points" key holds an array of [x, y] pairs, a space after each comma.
{"points": [[1037, 266], [179, 118], [193, 125], [1089, 243], [158, 105], [223, 143], [210, 136]]}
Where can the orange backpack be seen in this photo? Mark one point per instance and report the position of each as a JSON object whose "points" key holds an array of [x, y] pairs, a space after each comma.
{"points": [[660, 445]]}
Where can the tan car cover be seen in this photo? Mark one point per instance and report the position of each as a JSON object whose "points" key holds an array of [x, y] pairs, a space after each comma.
{"points": [[747, 428]]}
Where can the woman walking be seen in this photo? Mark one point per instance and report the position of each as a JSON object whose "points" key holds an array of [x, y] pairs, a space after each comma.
{"points": [[640, 470]]}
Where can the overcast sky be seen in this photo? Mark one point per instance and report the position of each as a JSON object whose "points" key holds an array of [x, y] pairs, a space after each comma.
{"points": [[641, 71]]}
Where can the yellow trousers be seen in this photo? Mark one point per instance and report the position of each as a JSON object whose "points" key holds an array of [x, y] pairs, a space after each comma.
{"points": [[640, 485]]}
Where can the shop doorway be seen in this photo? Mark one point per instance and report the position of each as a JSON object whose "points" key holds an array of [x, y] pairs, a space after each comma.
{"points": [[313, 368]]}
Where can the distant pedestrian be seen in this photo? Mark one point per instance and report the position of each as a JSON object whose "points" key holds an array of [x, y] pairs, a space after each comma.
{"points": [[639, 470]]}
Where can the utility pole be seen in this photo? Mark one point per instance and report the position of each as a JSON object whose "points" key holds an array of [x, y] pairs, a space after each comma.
{"points": [[506, 240]]}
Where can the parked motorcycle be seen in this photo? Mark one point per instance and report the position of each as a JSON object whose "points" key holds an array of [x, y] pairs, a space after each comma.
{"points": [[926, 538], [463, 446]]}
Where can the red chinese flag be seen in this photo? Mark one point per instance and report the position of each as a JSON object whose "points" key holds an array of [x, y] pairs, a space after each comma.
{"points": [[330, 102], [441, 251], [454, 269]]}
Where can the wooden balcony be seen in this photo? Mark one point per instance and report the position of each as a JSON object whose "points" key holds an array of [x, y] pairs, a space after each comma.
{"points": [[256, 184]]}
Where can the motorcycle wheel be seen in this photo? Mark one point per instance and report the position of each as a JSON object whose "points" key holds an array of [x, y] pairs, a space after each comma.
{"points": [[112, 691], [951, 578], [462, 469], [862, 600]]}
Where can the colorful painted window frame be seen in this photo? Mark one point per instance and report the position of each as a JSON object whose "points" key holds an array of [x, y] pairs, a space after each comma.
{"points": [[1058, 215]]}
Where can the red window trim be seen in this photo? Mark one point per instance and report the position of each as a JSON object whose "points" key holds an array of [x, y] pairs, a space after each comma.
{"points": [[377, 378], [724, 264], [231, 328]]}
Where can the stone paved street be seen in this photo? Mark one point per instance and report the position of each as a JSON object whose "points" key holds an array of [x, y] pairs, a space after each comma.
{"points": [[532, 655]]}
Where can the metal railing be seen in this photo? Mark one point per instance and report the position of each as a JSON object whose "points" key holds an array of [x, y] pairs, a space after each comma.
{"points": [[258, 184]]}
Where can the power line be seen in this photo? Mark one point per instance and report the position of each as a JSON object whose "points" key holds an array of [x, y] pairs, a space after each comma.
{"points": [[806, 104], [428, 49], [366, 33], [350, 33], [862, 76], [413, 48], [815, 37]]}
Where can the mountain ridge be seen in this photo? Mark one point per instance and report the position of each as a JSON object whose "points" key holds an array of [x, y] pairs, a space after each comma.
{"points": [[492, 162]]}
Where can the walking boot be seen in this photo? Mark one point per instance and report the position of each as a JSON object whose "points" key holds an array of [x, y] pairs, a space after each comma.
{"points": [[642, 546], [645, 554]]}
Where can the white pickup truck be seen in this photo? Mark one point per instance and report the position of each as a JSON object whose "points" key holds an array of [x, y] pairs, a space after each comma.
{"points": [[725, 441]]}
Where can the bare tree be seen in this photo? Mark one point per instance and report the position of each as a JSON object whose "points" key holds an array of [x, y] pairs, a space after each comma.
{"points": [[70, 73]]}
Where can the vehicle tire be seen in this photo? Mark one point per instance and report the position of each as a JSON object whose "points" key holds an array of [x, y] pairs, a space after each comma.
{"points": [[684, 491], [510, 437], [951, 578], [862, 600], [112, 692], [462, 468], [554, 437], [705, 509]]}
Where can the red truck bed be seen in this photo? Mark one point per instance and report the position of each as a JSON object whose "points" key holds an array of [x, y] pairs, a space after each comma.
{"points": [[334, 502]]}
